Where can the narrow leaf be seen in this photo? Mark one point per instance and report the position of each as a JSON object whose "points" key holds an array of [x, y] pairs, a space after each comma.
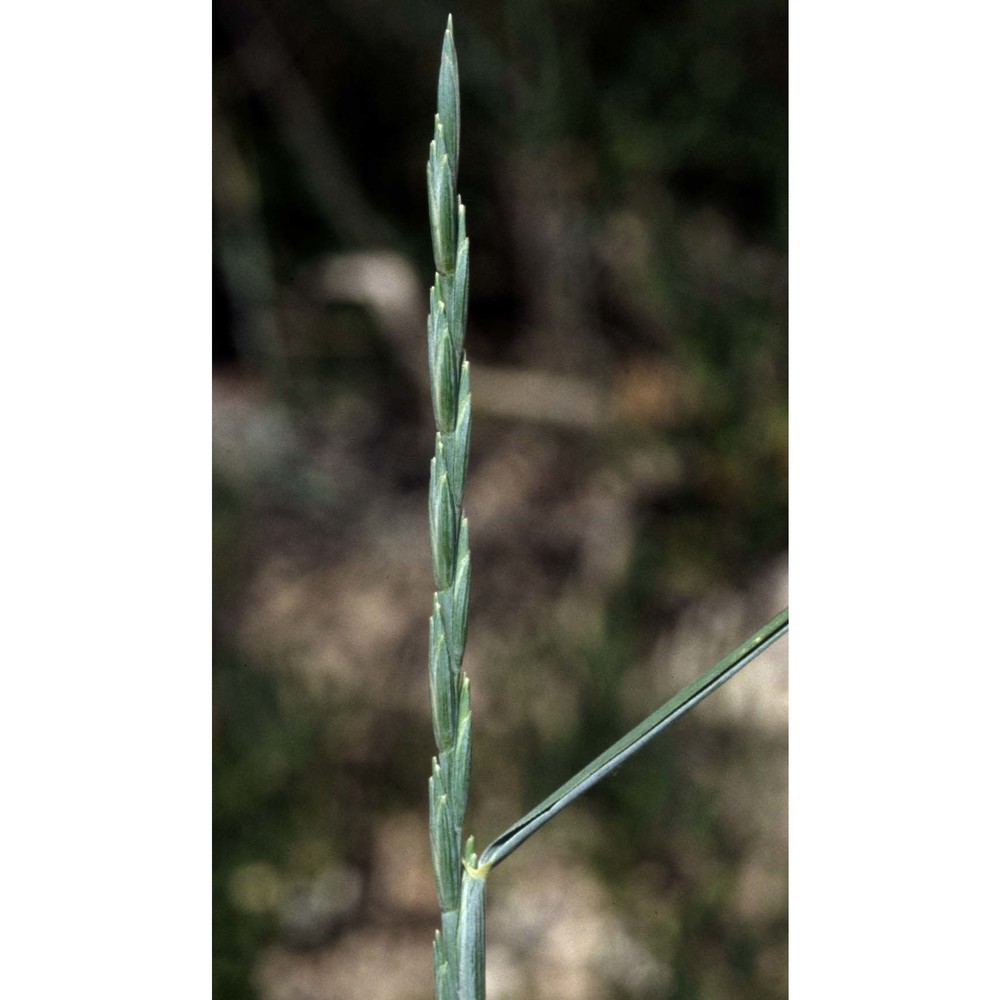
{"points": [[634, 740]]}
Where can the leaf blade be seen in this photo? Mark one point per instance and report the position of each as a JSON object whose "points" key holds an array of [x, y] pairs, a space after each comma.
{"points": [[635, 739]]}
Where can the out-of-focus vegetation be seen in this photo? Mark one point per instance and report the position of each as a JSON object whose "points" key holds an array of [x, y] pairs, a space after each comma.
{"points": [[624, 168]]}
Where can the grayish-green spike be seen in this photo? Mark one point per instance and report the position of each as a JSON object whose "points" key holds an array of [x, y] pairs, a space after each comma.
{"points": [[448, 304], [460, 877]]}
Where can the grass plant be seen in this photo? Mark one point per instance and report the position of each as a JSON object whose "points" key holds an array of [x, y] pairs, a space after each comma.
{"points": [[460, 875]]}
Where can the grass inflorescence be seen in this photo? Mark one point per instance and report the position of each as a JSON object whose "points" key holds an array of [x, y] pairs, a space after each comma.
{"points": [[460, 876], [457, 887]]}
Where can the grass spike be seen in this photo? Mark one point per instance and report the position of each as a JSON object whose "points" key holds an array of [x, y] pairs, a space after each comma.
{"points": [[449, 532]]}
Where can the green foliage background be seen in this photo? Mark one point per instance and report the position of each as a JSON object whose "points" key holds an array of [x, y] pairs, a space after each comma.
{"points": [[625, 172]]}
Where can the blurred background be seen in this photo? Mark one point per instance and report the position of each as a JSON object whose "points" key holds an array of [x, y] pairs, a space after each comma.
{"points": [[625, 171]]}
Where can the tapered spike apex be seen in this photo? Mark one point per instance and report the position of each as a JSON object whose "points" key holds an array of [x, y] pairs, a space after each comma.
{"points": [[449, 112]]}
